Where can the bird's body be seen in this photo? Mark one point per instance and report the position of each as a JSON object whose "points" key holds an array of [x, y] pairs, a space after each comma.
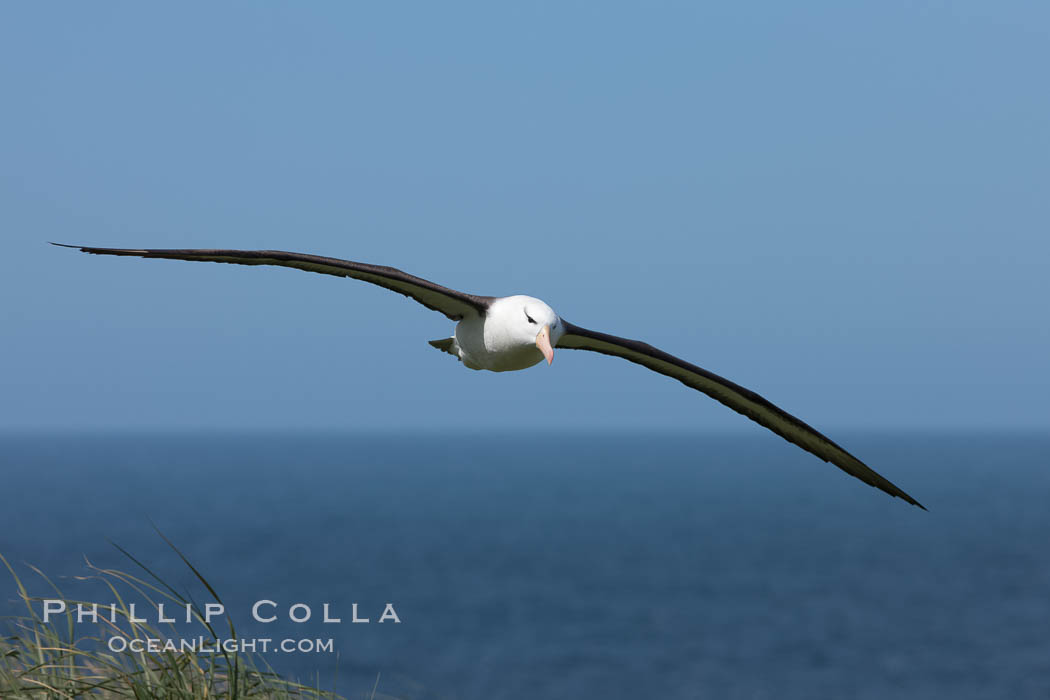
{"points": [[504, 334], [499, 340]]}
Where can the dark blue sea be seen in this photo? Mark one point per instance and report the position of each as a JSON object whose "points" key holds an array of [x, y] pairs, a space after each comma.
{"points": [[587, 566]]}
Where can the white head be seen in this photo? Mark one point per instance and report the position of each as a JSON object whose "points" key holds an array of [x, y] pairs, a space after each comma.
{"points": [[526, 321]]}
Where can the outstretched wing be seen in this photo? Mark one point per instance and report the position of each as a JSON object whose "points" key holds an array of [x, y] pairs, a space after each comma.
{"points": [[732, 395], [455, 305]]}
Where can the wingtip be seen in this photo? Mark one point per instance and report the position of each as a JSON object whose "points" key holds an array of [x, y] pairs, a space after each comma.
{"points": [[908, 499]]}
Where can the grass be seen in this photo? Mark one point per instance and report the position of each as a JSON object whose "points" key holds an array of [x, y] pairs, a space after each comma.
{"points": [[65, 659]]}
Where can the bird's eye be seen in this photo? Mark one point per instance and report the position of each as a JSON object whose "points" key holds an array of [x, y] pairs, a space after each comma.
{"points": [[531, 320]]}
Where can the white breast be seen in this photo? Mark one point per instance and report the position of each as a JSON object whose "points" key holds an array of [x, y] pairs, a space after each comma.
{"points": [[485, 344]]}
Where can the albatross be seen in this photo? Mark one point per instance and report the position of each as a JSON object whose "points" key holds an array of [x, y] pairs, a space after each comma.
{"points": [[505, 334]]}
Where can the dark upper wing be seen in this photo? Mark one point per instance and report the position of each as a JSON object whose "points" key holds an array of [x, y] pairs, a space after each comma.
{"points": [[453, 304], [732, 395]]}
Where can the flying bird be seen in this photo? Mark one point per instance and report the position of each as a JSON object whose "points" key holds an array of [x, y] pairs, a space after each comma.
{"points": [[504, 334]]}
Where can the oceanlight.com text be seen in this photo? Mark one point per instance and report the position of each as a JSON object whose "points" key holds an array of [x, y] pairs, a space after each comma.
{"points": [[210, 645]]}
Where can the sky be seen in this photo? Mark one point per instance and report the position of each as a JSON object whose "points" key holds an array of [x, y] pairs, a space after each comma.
{"points": [[843, 206]]}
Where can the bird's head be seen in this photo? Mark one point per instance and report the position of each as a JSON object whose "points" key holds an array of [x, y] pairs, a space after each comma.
{"points": [[528, 321]]}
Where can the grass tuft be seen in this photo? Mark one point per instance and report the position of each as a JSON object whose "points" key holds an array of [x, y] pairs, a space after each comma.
{"points": [[65, 659]]}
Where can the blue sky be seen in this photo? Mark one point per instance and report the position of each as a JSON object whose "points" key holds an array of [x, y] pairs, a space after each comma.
{"points": [[843, 207]]}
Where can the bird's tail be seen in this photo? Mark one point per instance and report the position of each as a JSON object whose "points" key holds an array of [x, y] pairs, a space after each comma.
{"points": [[446, 345]]}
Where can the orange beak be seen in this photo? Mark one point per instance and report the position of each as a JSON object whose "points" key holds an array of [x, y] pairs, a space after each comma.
{"points": [[543, 342]]}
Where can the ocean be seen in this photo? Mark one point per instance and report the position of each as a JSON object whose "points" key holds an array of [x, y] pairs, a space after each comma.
{"points": [[545, 565]]}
